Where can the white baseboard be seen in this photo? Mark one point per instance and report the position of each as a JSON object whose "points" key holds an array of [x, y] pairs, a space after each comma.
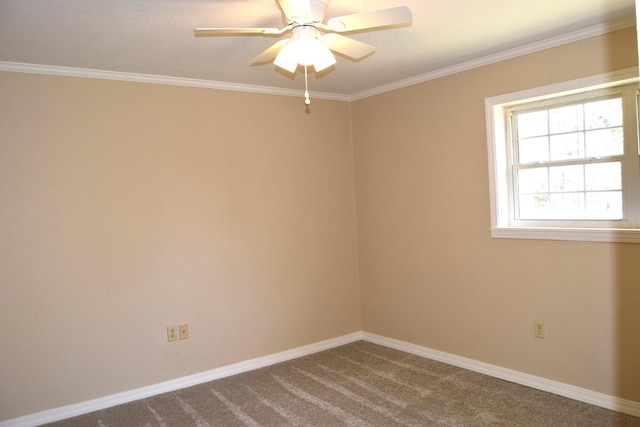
{"points": [[82, 408], [572, 392], [561, 389]]}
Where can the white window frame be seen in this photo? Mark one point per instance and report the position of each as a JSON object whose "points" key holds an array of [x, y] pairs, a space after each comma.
{"points": [[503, 224]]}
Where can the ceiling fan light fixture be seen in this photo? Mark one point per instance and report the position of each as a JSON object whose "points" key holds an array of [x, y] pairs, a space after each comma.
{"points": [[322, 57], [287, 58], [305, 49]]}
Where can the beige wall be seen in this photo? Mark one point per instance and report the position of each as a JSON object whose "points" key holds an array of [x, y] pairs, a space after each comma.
{"points": [[127, 207], [430, 273]]}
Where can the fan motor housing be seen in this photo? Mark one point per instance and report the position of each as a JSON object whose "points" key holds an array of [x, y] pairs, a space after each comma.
{"points": [[318, 9]]}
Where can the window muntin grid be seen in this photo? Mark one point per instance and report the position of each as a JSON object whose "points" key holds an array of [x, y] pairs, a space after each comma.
{"points": [[567, 160]]}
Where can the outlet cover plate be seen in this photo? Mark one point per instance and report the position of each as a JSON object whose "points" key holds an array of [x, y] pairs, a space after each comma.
{"points": [[183, 331], [172, 333]]}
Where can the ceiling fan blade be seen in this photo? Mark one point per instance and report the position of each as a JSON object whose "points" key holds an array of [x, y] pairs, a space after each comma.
{"points": [[270, 54], [296, 10], [375, 19], [346, 46], [208, 32]]}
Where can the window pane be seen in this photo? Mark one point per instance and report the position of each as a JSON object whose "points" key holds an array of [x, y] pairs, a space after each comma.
{"points": [[533, 150], [566, 206], [566, 155], [603, 176], [607, 142], [566, 178], [534, 206], [567, 146], [533, 180], [604, 205], [603, 114], [566, 119], [532, 124]]}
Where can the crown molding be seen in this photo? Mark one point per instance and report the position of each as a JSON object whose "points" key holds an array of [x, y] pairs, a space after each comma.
{"points": [[53, 70], [596, 30], [628, 21]]}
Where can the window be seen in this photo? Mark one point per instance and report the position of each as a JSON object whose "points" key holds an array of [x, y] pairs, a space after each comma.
{"points": [[564, 161]]}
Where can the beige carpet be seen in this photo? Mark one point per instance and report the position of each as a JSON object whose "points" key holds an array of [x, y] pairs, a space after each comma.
{"points": [[359, 384]]}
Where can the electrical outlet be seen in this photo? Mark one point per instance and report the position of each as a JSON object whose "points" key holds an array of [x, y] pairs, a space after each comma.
{"points": [[183, 331], [539, 329], [172, 333]]}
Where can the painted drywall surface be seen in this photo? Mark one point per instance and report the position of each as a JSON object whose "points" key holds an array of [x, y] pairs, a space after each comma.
{"points": [[638, 20], [431, 274], [125, 208]]}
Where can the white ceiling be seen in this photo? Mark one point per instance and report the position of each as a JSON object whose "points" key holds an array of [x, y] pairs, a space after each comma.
{"points": [[155, 37]]}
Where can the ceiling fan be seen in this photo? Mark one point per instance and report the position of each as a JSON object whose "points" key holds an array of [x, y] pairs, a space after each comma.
{"points": [[312, 40]]}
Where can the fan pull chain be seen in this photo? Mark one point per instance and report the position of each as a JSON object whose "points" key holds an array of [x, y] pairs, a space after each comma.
{"points": [[306, 87]]}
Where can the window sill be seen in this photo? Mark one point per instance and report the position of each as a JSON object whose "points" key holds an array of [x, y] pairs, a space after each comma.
{"points": [[614, 235]]}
